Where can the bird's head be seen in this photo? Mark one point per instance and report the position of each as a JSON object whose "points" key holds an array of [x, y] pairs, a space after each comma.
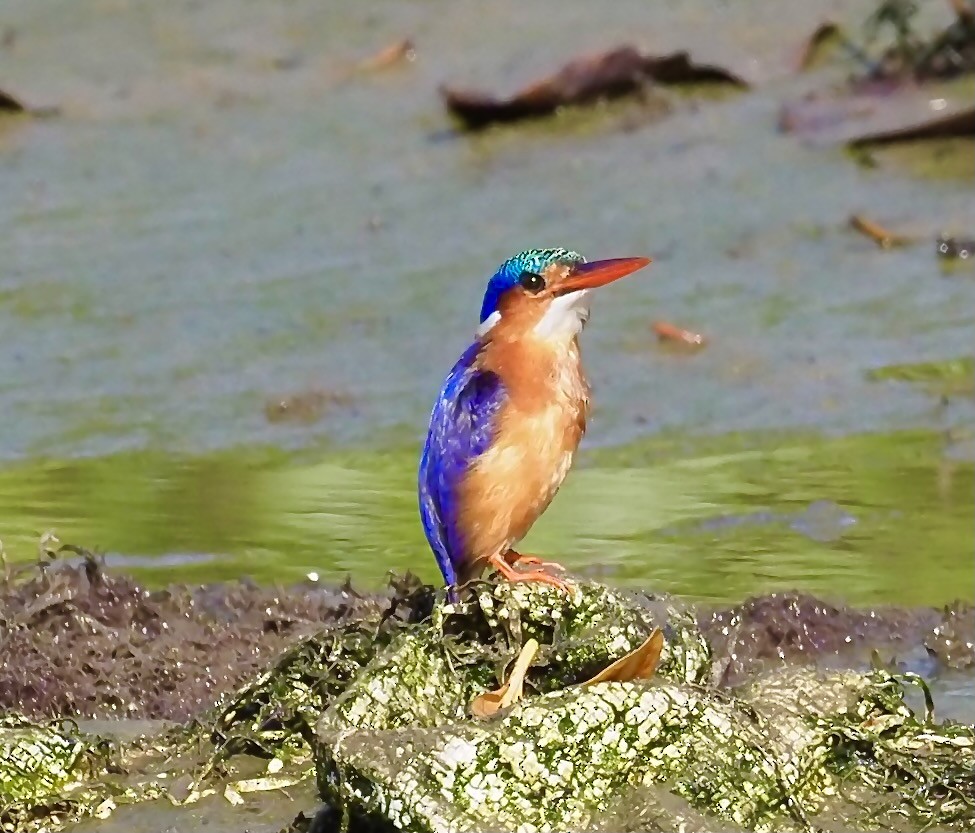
{"points": [[545, 292]]}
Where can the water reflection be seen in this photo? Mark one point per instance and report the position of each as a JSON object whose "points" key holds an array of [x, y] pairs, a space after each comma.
{"points": [[866, 519]]}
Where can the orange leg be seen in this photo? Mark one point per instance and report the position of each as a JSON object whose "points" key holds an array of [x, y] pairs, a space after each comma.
{"points": [[520, 559], [507, 571]]}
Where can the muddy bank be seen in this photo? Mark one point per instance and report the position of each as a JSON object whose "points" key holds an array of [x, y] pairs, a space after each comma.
{"points": [[80, 641]]}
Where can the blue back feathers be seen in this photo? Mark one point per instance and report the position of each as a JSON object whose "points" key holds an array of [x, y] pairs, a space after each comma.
{"points": [[461, 429], [532, 260]]}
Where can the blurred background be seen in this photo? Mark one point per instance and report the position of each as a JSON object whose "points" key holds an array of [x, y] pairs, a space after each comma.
{"points": [[242, 244]]}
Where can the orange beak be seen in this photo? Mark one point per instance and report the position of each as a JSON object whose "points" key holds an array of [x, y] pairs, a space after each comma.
{"points": [[600, 273]]}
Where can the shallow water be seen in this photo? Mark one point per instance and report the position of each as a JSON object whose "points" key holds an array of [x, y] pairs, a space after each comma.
{"points": [[223, 216], [866, 519]]}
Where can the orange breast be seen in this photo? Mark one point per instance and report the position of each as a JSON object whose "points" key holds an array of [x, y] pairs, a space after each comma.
{"points": [[537, 434]]}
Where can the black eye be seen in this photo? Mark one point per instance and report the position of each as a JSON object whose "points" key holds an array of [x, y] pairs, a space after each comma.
{"points": [[532, 282]]}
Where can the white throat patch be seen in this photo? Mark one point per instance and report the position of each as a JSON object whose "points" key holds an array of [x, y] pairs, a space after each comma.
{"points": [[488, 323], [565, 316], [563, 320]]}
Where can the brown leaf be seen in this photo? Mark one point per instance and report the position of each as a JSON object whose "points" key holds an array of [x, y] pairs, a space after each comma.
{"points": [[639, 664], [612, 74], [491, 702]]}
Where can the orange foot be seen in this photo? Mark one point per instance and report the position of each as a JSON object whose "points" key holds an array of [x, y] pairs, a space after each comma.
{"points": [[507, 571], [519, 559]]}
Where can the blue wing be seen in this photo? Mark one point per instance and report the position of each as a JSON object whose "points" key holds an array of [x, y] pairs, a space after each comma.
{"points": [[461, 429]]}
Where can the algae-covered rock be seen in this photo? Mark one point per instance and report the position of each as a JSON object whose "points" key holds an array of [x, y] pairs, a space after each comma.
{"points": [[398, 749], [36, 759], [429, 675], [275, 713], [563, 760], [44, 770]]}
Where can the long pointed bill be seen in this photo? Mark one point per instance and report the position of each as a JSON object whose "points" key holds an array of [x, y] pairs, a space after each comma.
{"points": [[600, 273]]}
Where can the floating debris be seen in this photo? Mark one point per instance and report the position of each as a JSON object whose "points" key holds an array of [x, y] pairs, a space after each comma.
{"points": [[671, 333], [947, 54], [620, 72], [862, 120], [396, 53], [892, 99], [881, 236], [959, 123], [10, 104]]}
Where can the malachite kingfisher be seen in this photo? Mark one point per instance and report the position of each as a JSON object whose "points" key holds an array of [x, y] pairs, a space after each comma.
{"points": [[510, 415]]}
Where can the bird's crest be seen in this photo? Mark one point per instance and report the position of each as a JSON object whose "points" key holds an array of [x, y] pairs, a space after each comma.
{"points": [[509, 273]]}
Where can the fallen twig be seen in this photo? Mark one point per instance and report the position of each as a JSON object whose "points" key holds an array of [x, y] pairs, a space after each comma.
{"points": [[883, 237], [668, 332]]}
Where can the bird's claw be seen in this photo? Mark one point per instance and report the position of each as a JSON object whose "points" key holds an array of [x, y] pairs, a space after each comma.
{"points": [[534, 561], [508, 571]]}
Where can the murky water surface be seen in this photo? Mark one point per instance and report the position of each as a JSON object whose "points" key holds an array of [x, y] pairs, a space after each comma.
{"points": [[224, 217]]}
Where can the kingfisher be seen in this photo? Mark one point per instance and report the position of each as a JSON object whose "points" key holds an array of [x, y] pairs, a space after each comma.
{"points": [[510, 415]]}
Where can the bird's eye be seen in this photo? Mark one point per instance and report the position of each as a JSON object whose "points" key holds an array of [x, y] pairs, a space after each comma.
{"points": [[532, 282]]}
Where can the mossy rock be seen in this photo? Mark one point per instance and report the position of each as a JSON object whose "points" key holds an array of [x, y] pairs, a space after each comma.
{"points": [[397, 750]]}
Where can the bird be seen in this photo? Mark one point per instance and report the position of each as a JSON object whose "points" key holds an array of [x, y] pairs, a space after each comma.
{"points": [[510, 415]]}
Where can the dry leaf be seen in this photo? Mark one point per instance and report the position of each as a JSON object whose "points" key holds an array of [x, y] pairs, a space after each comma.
{"points": [[618, 72], [491, 702], [639, 664]]}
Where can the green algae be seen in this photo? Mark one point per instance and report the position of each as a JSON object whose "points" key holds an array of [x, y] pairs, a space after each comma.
{"points": [[952, 377], [949, 160]]}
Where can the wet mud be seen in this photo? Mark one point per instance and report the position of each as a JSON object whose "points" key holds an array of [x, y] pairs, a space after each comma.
{"points": [[794, 627], [81, 641]]}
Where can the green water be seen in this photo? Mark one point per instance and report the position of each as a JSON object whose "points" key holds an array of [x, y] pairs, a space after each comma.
{"points": [[875, 518]]}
